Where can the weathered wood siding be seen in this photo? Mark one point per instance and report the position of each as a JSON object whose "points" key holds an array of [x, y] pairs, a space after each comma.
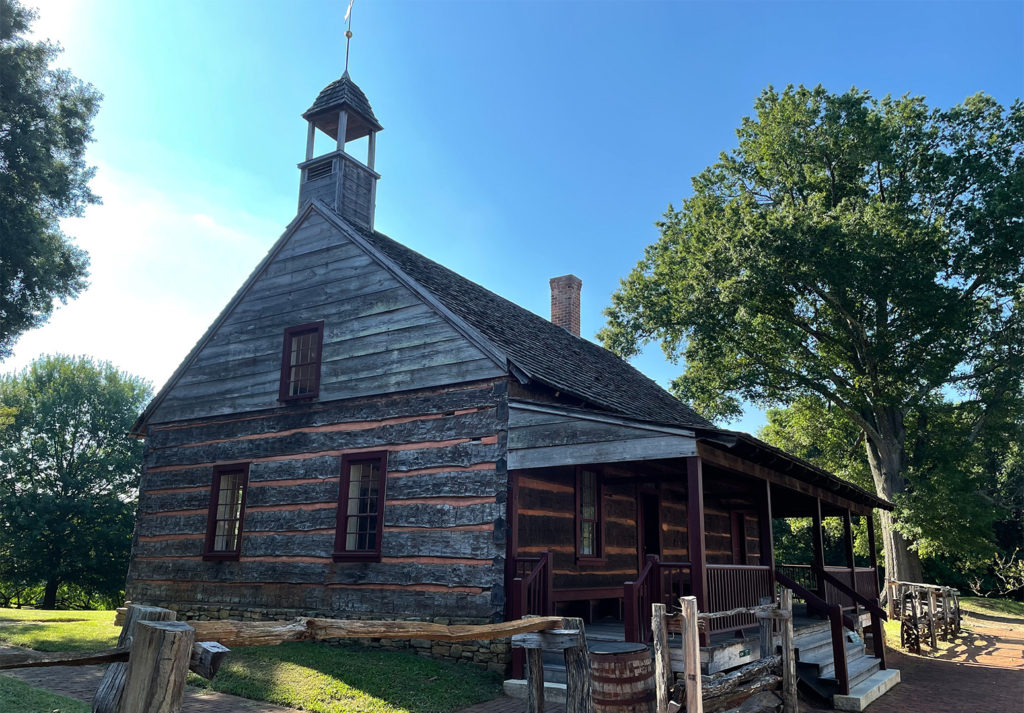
{"points": [[539, 438], [546, 504], [443, 546], [379, 336]]}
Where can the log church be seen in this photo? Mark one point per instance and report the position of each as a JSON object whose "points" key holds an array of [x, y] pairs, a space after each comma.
{"points": [[363, 432]]}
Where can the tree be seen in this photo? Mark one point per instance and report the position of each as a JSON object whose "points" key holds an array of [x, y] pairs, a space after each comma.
{"points": [[865, 252], [45, 124], [69, 474]]}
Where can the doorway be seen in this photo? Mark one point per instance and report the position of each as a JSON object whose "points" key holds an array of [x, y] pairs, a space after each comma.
{"points": [[650, 525]]}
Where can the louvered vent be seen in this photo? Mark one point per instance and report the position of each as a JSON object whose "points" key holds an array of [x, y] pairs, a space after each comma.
{"points": [[320, 170]]}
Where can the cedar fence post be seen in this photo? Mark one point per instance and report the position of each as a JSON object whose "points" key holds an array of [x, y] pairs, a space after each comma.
{"points": [[931, 618], [766, 629], [789, 697], [662, 664], [157, 667], [691, 655], [108, 695], [534, 681], [578, 695]]}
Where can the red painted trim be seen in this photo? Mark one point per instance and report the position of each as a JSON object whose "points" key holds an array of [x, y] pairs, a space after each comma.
{"points": [[340, 553], [289, 334], [571, 594], [211, 518]]}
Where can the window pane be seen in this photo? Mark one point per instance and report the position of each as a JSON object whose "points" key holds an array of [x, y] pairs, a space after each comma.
{"points": [[587, 539], [362, 509]]}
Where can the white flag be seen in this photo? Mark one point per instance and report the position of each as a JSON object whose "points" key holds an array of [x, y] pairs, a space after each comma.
{"points": [[348, 11]]}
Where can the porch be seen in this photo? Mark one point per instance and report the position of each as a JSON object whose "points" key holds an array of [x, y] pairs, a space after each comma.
{"points": [[601, 532]]}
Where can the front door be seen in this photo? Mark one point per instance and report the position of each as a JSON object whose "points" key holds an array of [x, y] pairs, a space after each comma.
{"points": [[650, 525]]}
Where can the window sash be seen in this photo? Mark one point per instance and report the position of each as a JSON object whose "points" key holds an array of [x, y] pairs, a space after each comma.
{"points": [[301, 361], [360, 510], [227, 511], [588, 514]]}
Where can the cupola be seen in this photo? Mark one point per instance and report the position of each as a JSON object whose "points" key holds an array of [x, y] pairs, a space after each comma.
{"points": [[346, 184]]}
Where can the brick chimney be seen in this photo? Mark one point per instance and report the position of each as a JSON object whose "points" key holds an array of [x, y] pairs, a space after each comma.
{"points": [[565, 302]]}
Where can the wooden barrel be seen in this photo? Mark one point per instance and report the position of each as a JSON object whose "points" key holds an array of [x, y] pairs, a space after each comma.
{"points": [[622, 678]]}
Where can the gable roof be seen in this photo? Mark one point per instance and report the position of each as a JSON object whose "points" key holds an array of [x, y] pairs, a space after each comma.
{"points": [[543, 351]]}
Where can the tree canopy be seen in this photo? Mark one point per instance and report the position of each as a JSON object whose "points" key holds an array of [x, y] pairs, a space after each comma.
{"points": [[865, 252], [69, 474], [45, 125]]}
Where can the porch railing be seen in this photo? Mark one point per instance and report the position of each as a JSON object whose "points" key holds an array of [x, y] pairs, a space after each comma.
{"points": [[732, 586], [658, 581], [531, 586], [802, 574]]}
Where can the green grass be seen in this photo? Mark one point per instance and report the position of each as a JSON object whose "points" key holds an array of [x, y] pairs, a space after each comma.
{"points": [[21, 697], [58, 630], [992, 606], [351, 679]]}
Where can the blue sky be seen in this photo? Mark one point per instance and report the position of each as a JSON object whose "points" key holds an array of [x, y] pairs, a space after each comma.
{"points": [[522, 140]]}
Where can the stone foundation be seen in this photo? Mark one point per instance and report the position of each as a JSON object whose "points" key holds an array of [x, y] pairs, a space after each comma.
{"points": [[494, 655]]}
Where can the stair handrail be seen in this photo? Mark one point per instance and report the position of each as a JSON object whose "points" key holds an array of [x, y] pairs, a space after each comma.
{"points": [[874, 607], [837, 621], [540, 569], [637, 622]]}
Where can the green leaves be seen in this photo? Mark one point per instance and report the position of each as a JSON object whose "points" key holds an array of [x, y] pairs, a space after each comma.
{"points": [[45, 125], [68, 472]]}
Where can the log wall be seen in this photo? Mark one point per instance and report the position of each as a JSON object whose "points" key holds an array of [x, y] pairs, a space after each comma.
{"points": [[443, 545]]}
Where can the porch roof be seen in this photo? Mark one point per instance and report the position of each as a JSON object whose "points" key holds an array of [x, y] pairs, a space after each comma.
{"points": [[749, 448]]}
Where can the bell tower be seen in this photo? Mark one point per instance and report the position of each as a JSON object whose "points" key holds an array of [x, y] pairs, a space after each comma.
{"points": [[346, 184]]}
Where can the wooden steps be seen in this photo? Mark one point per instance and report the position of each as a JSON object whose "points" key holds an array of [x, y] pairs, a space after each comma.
{"points": [[816, 669]]}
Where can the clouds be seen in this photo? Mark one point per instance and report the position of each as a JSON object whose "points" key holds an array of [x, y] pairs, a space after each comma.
{"points": [[160, 273]]}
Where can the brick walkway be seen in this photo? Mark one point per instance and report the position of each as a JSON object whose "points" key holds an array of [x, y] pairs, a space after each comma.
{"points": [[81, 682]]}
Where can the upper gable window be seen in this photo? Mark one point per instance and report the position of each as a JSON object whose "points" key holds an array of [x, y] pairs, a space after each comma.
{"points": [[300, 361]]}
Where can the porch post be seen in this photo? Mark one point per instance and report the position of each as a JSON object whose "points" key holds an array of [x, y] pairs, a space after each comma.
{"points": [[819, 547], [850, 559], [695, 529], [871, 547], [767, 536]]}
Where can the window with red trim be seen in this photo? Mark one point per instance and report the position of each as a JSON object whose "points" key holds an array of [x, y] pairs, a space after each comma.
{"points": [[300, 361], [361, 507], [588, 514], [227, 511]]}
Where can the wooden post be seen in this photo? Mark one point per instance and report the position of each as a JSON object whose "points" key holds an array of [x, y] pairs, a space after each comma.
{"points": [[835, 616], [310, 138], [851, 562], [691, 656], [157, 667], [662, 663], [894, 611], [878, 634], [767, 534], [534, 681], [578, 695], [931, 618], [371, 149], [342, 128], [872, 552], [947, 630], [789, 697], [108, 695], [819, 548], [695, 526], [766, 629]]}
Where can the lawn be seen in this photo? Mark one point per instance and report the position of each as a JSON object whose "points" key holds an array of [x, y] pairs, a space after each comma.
{"points": [[1003, 607], [351, 679], [58, 630], [23, 698], [314, 677]]}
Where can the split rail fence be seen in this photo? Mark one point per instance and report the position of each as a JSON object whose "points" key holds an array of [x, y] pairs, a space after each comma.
{"points": [[926, 612]]}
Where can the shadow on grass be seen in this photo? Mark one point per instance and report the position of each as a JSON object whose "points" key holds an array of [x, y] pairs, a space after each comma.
{"points": [[354, 679]]}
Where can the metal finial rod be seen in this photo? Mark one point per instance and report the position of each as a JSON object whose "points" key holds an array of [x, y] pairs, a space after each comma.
{"points": [[348, 32]]}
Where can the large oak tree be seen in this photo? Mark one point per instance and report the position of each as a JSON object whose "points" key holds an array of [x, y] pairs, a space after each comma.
{"points": [[45, 124], [867, 252], [69, 474]]}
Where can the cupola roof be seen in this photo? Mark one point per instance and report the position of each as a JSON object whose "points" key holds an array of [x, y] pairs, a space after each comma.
{"points": [[340, 94]]}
